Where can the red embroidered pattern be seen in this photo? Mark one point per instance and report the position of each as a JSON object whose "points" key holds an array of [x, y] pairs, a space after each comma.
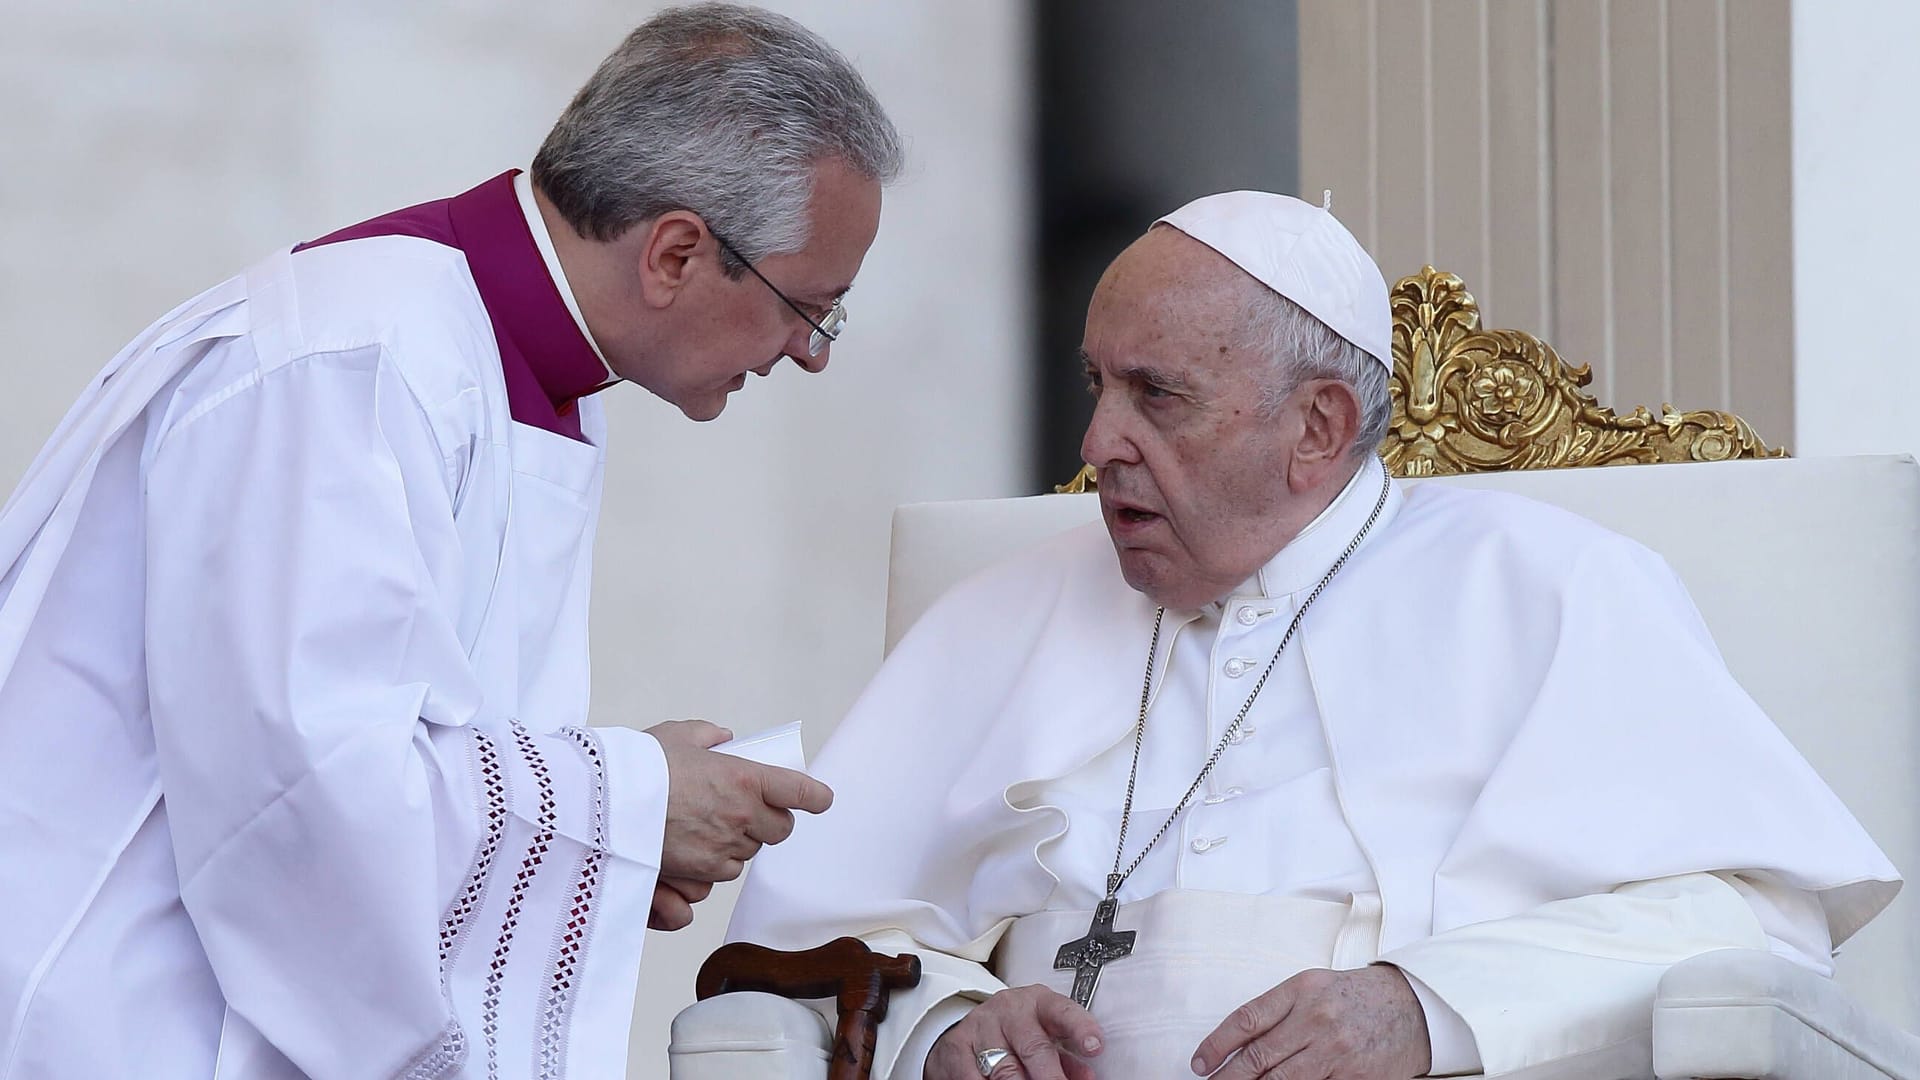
{"points": [[577, 922], [451, 1048], [493, 782], [537, 849]]}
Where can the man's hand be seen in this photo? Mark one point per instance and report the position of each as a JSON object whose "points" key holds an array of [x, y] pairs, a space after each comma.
{"points": [[721, 809], [1339, 1025], [673, 900], [1032, 1022]]}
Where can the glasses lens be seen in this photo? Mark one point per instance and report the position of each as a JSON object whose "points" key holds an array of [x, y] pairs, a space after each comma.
{"points": [[832, 324]]}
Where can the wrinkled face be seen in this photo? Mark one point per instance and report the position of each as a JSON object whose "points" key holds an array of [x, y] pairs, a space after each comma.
{"points": [[718, 329], [1198, 487]]}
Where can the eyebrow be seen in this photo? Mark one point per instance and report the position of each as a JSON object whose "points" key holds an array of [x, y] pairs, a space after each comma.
{"points": [[826, 300], [1147, 373]]}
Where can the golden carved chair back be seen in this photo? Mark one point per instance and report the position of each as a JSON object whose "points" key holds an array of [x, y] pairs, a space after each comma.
{"points": [[1468, 399]]}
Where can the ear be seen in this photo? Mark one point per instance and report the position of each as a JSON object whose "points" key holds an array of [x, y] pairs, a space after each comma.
{"points": [[670, 245], [1330, 418]]}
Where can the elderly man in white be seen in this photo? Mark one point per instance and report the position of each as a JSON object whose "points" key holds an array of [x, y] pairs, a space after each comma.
{"points": [[1193, 796]]}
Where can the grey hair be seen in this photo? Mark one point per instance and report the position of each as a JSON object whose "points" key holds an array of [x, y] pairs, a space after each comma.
{"points": [[1301, 347], [719, 109]]}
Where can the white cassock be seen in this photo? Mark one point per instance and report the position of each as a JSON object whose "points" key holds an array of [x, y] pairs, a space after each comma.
{"points": [[295, 777], [1502, 754]]}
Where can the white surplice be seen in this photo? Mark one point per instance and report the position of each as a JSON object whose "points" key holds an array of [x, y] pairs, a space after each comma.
{"points": [[1439, 754], [295, 777]]}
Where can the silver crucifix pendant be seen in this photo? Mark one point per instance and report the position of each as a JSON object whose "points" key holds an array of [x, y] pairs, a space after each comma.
{"points": [[1102, 946]]}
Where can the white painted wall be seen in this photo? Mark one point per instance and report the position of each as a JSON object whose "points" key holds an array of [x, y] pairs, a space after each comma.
{"points": [[1856, 232], [148, 150]]}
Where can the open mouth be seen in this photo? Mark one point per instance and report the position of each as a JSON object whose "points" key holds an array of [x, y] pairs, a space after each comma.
{"points": [[1135, 517]]}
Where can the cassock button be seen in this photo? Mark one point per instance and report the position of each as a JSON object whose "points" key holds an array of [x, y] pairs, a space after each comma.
{"points": [[1206, 844], [1247, 616], [1223, 796], [1236, 667], [1240, 736]]}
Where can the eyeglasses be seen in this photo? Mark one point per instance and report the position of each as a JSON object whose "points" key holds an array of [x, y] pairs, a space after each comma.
{"points": [[826, 328]]}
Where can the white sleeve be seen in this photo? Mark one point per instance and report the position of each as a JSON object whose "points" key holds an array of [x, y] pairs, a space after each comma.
{"points": [[1578, 975], [382, 888], [950, 986], [912, 1062], [1792, 919], [1448, 1036]]}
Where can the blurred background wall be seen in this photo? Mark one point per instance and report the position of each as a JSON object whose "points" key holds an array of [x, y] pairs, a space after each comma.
{"points": [[1705, 199]]}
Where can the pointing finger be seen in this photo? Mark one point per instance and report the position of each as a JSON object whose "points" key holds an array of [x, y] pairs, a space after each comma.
{"points": [[1074, 1027], [788, 789], [1282, 1051], [1039, 1057], [1242, 1026]]}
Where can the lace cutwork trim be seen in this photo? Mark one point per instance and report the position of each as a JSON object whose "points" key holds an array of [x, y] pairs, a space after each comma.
{"points": [[575, 926], [473, 891], [491, 798], [440, 1058], [530, 864]]}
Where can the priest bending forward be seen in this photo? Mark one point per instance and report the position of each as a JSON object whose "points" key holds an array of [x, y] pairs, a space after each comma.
{"points": [[295, 774], [1210, 772]]}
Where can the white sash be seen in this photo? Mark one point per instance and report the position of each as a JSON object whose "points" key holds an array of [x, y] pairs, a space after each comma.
{"points": [[1198, 956]]}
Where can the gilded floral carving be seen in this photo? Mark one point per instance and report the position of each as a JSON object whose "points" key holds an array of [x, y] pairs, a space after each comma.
{"points": [[1466, 399]]}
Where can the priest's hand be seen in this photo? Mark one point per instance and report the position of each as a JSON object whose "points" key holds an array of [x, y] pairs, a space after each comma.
{"points": [[721, 809], [1033, 1024], [1341, 1025], [673, 900]]}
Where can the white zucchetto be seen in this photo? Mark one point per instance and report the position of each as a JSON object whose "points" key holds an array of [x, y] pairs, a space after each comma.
{"points": [[1302, 252]]}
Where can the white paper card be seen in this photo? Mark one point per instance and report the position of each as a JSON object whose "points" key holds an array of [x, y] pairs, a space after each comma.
{"points": [[775, 746]]}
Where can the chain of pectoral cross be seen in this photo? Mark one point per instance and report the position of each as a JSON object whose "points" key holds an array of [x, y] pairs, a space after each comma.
{"points": [[1102, 945]]}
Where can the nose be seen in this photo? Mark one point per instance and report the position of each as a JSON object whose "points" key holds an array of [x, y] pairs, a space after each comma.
{"points": [[797, 352], [1106, 441]]}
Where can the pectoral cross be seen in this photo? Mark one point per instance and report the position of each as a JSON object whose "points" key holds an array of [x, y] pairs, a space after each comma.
{"points": [[1102, 946]]}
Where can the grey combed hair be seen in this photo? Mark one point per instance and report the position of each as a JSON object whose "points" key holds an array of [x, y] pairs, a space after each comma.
{"points": [[1300, 348], [718, 109]]}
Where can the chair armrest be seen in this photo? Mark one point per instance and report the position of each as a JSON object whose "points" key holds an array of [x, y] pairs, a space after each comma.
{"points": [[1747, 1013], [749, 1036]]}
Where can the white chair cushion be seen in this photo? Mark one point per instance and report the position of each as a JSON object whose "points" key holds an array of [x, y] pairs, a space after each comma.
{"points": [[1746, 1013], [749, 1036]]}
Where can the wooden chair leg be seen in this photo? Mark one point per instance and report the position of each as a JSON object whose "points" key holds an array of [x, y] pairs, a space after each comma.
{"points": [[858, 979]]}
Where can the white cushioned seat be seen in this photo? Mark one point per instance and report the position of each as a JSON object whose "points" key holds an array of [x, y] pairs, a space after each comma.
{"points": [[749, 1036], [1746, 1013]]}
